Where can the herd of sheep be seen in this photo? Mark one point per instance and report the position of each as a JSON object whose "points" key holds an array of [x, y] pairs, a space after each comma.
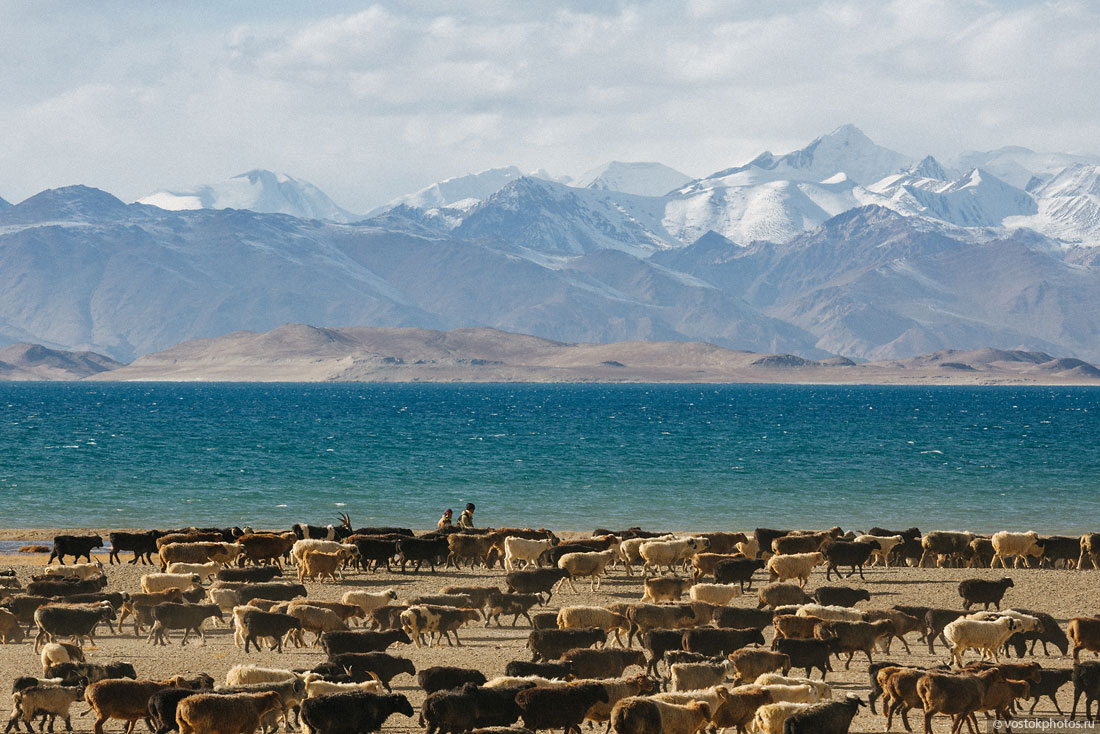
{"points": [[703, 658]]}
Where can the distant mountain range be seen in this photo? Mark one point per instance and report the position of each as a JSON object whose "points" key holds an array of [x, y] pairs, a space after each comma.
{"points": [[841, 248]]}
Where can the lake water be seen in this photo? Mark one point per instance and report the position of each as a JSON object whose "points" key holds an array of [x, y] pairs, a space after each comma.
{"points": [[561, 456]]}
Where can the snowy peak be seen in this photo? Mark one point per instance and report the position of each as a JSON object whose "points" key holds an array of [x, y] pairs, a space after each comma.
{"points": [[461, 192], [259, 191], [929, 167], [1069, 206], [1077, 180], [1017, 166], [642, 179], [845, 150]]}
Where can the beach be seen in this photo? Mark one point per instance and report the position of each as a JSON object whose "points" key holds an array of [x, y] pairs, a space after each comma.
{"points": [[1061, 593]]}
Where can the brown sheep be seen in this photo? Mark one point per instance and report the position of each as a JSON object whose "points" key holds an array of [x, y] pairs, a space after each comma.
{"points": [[235, 713], [1084, 633], [121, 698]]}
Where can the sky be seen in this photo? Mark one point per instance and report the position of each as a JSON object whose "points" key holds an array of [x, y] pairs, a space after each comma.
{"points": [[370, 101]]}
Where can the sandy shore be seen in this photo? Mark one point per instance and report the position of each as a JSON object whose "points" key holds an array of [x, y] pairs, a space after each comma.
{"points": [[1063, 594]]}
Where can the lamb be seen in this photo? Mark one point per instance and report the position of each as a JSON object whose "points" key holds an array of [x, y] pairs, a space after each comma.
{"points": [[238, 713], [793, 566], [380, 665], [60, 652], [690, 676], [603, 663], [591, 564], [720, 594], [751, 664], [848, 553], [119, 698], [947, 545], [831, 613], [317, 620], [46, 701], [886, 545], [1084, 632], [983, 591], [188, 617], [523, 550], [75, 546], [779, 595], [898, 687], [67, 587], [369, 600], [704, 564], [737, 570], [550, 645], [340, 641], [206, 571], [514, 604], [154, 582], [808, 654], [535, 581], [853, 637], [821, 690], [1019, 545], [438, 621], [668, 553], [641, 715], [588, 617], [840, 596], [833, 717], [958, 696], [742, 618], [442, 677], [769, 719], [317, 564], [750, 548], [720, 642], [986, 636], [666, 588], [1086, 681], [564, 707]]}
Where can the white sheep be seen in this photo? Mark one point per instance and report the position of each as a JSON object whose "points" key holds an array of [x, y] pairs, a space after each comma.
{"points": [[1021, 545], [688, 717], [52, 701], [769, 718], [830, 613], [793, 566], [77, 570], [205, 571], [886, 545], [669, 553], [153, 582], [240, 675], [823, 689], [589, 564], [793, 693], [324, 687], [298, 550], [1027, 622], [368, 601], [60, 652], [720, 594], [630, 550], [713, 697], [523, 549], [750, 548], [587, 617], [226, 599], [317, 620], [510, 681], [691, 676], [238, 624], [986, 636]]}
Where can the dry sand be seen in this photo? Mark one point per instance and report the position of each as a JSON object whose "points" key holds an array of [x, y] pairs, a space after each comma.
{"points": [[1063, 594]]}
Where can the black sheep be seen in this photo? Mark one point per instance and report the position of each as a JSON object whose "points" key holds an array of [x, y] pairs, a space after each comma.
{"points": [[808, 654], [840, 596], [737, 571], [603, 663], [557, 669], [351, 713], [385, 666], [373, 552], [498, 706], [336, 643], [847, 553], [535, 581], [273, 591], [544, 621], [659, 642], [720, 642], [935, 620], [162, 708], [442, 677], [1049, 631], [450, 711], [1051, 679], [250, 574], [255, 623], [73, 673], [1086, 680], [743, 617], [983, 591], [552, 644], [560, 707], [830, 717]]}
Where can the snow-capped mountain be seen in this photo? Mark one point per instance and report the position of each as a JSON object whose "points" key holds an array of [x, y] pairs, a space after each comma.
{"points": [[643, 179], [461, 192], [258, 191], [1068, 206], [975, 199], [845, 150], [1021, 167]]}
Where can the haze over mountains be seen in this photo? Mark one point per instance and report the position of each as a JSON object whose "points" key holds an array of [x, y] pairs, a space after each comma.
{"points": [[841, 248]]}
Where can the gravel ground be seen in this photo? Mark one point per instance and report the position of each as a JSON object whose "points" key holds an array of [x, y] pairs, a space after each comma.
{"points": [[1063, 594]]}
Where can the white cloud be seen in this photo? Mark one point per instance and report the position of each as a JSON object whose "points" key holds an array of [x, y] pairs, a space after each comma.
{"points": [[370, 103]]}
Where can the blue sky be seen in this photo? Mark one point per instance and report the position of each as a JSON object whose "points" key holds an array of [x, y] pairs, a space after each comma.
{"points": [[369, 101]]}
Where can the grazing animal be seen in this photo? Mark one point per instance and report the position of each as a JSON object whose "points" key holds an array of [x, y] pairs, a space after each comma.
{"points": [[75, 546], [232, 713], [983, 591], [351, 713]]}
